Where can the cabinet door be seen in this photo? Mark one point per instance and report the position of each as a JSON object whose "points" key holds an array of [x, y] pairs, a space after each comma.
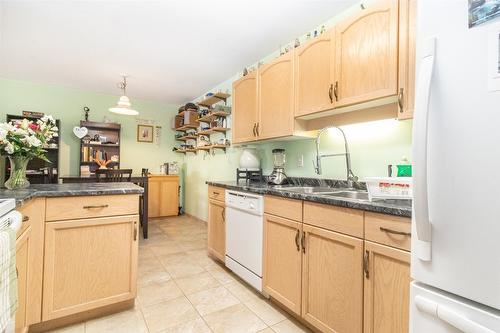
{"points": [[89, 263], [407, 54], [154, 197], [387, 289], [244, 116], [282, 261], [23, 243], [314, 75], [332, 281], [30, 260], [169, 196], [367, 53], [217, 229], [275, 82]]}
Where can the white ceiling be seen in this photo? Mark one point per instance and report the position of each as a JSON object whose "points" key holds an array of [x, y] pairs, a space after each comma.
{"points": [[173, 50]]}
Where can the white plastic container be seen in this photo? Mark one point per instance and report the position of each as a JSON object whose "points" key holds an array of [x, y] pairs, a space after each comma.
{"points": [[389, 187]]}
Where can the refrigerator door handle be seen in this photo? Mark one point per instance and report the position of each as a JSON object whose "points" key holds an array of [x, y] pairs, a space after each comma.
{"points": [[420, 125], [449, 316]]}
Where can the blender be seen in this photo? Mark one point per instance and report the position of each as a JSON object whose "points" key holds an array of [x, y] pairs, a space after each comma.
{"points": [[278, 175]]}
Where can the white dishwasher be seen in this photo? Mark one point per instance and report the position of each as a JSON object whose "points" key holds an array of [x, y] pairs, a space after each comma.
{"points": [[244, 233]]}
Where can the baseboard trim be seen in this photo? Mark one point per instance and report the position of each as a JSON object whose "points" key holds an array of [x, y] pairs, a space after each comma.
{"points": [[81, 317], [195, 217]]}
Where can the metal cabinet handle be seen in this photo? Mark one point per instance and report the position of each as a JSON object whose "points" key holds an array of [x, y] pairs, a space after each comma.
{"points": [[401, 100], [135, 231], [366, 262], [303, 242], [297, 240], [26, 218], [336, 91], [254, 129], [257, 129], [95, 206], [215, 193], [330, 92], [224, 214], [395, 232]]}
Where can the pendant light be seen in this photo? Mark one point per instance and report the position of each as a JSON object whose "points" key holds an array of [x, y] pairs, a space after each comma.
{"points": [[123, 106]]}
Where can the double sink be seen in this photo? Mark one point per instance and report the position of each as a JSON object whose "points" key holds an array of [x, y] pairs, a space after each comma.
{"points": [[344, 193]]}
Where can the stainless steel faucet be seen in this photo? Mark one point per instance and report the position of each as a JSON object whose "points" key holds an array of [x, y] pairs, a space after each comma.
{"points": [[351, 178]]}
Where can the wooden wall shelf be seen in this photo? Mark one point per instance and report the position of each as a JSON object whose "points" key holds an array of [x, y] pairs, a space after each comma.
{"points": [[215, 98], [212, 116]]}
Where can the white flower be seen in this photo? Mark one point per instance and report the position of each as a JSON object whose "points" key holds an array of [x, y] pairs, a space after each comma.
{"points": [[32, 141], [9, 148], [48, 119], [3, 133], [25, 123]]}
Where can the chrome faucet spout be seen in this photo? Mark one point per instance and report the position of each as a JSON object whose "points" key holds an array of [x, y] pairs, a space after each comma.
{"points": [[351, 178]]}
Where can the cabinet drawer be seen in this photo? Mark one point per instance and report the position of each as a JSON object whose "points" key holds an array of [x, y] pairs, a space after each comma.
{"points": [[344, 220], [66, 208], [287, 208], [389, 230], [216, 193]]}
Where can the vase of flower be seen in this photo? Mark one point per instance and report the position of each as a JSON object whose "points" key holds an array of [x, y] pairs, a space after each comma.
{"points": [[18, 179], [23, 140]]}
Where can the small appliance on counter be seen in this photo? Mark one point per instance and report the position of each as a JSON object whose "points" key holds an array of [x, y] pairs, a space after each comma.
{"points": [[278, 175]]}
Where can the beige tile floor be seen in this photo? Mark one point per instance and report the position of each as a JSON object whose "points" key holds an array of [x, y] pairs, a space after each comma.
{"points": [[182, 290]]}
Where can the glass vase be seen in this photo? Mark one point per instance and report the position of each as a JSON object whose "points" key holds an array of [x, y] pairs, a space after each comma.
{"points": [[17, 179]]}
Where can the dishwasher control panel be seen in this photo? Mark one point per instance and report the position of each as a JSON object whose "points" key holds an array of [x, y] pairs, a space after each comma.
{"points": [[245, 201]]}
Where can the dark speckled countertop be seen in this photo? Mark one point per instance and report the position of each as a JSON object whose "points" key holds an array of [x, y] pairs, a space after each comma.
{"points": [[67, 190], [392, 207]]}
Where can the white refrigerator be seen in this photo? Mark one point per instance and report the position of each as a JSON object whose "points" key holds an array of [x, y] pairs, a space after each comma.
{"points": [[455, 262]]}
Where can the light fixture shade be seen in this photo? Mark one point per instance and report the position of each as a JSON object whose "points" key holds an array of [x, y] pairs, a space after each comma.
{"points": [[123, 106]]}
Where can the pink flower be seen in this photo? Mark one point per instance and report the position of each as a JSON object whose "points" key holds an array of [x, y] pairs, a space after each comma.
{"points": [[34, 127]]}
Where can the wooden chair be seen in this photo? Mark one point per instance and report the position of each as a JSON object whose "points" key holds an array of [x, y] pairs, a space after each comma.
{"points": [[113, 175]]}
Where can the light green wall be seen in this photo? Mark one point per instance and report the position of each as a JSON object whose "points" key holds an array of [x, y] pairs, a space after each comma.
{"points": [[373, 146], [67, 105]]}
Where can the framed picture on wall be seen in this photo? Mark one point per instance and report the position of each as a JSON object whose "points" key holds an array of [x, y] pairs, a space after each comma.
{"points": [[145, 133]]}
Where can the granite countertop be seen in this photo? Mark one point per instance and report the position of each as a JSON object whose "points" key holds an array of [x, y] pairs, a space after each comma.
{"points": [[392, 207], [67, 190]]}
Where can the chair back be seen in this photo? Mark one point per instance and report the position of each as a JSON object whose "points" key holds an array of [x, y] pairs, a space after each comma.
{"points": [[113, 175], [144, 172]]}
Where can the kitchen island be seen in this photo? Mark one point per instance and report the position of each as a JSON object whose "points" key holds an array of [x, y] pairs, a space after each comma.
{"points": [[76, 252]]}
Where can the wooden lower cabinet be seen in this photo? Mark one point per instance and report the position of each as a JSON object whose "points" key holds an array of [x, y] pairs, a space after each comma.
{"points": [[332, 281], [163, 195], [217, 229], [23, 243], [386, 289], [283, 261], [29, 264], [89, 263]]}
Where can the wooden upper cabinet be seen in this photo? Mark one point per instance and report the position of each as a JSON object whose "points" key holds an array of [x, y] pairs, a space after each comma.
{"points": [[366, 62], [282, 261], [244, 116], [386, 289], [314, 75], [217, 229], [275, 98], [332, 281], [407, 54]]}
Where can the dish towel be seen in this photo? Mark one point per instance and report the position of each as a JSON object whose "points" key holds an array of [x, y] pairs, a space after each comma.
{"points": [[8, 274]]}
